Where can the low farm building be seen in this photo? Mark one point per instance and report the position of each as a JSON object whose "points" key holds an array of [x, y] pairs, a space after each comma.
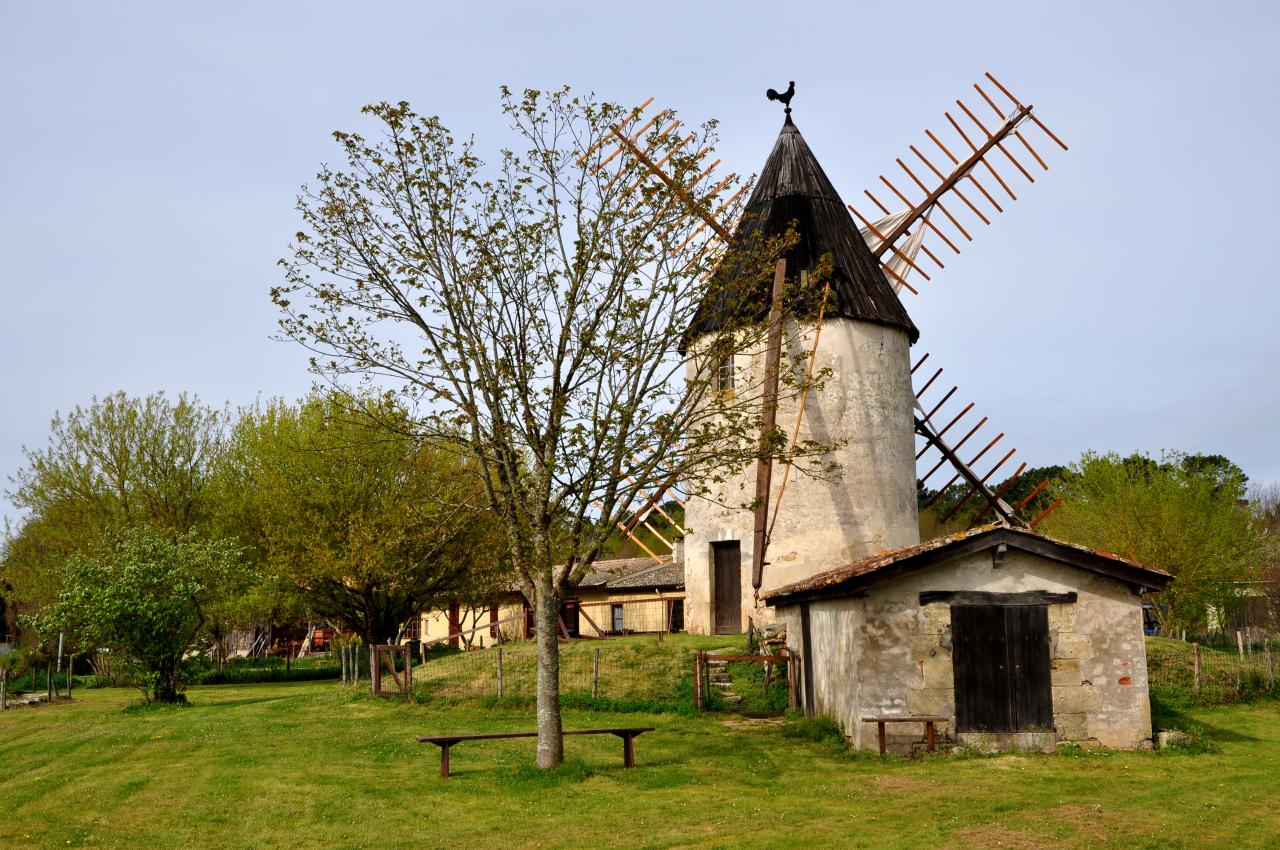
{"points": [[1017, 640], [616, 597]]}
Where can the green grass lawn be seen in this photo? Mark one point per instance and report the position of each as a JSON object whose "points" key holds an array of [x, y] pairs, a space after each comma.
{"points": [[306, 765], [631, 668]]}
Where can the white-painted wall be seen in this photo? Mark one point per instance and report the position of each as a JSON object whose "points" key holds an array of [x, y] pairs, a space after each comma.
{"points": [[865, 409]]}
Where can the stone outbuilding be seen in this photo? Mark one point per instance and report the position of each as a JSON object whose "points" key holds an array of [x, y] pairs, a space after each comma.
{"points": [[1020, 641]]}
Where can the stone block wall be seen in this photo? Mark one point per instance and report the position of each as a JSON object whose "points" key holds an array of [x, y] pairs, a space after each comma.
{"points": [[866, 504], [901, 652]]}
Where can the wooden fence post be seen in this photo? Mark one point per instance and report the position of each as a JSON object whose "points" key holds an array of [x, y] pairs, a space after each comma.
{"points": [[793, 688], [499, 670], [697, 679], [595, 675], [1240, 644], [1271, 670], [374, 674], [1197, 667], [4, 688], [71, 662]]}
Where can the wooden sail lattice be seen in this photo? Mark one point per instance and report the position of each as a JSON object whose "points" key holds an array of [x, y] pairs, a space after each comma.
{"points": [[978, 158], [650, 501], [963, 177], [900, 240], [939, 432], [639, 151]]}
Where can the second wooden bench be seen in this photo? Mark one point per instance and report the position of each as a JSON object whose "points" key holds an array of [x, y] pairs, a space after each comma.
{"points": [[927, 719]]}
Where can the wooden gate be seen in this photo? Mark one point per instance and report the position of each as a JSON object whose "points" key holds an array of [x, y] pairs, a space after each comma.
{"points": [[386, 659], [1001, 660], [728, 587]]}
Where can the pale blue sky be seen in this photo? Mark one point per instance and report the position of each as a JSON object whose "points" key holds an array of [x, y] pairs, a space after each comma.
{"points": [[151, 153]]}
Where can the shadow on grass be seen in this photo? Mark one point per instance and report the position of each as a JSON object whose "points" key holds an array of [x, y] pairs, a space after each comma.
{"points": [[155, 707], [527, 775], [1205, 735], [237, 703]]}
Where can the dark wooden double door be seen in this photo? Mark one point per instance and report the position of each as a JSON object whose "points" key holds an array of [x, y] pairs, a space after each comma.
{"points": [[1000, 655]]}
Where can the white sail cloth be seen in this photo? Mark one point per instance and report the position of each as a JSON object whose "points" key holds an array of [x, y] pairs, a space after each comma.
{"points": [[898, 260]]}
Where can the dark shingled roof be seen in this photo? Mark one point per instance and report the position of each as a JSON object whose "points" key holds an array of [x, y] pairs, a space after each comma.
{"points": [[793, 187], [633, 573], [894, 563]]}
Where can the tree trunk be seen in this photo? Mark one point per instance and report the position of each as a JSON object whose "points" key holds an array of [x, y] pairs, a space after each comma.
{"points": [[550, 730], [166, 687]]}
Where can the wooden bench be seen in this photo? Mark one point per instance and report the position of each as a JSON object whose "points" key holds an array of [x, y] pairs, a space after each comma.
{"points": [[444, 742], [927, 719]]}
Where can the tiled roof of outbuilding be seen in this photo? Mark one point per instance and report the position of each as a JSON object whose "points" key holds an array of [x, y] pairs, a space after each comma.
{"points": [[893, 563]]}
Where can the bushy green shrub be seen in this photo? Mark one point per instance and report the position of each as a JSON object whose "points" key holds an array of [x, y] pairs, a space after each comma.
{"points": [[1194, 740], [245, 671], [820, 730]]}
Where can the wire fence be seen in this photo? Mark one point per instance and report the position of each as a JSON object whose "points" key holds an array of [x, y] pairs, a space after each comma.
{"points": [[1209, 675], [622, 670]]}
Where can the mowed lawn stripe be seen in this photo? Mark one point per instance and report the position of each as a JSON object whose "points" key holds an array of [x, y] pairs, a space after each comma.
{"points": [[301, 765]]}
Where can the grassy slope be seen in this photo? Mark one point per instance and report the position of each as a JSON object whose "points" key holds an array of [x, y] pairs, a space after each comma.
{"points": [[1224, 677], [633, 668], [300, 765]]}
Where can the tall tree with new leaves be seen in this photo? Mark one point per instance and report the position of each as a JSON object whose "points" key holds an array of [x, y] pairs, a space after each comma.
{"points": [[120, 461], [535, 311], [1185, 514], [367, 524]]}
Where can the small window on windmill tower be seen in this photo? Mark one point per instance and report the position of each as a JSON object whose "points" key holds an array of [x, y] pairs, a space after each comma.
{"points": [[725, 374]]}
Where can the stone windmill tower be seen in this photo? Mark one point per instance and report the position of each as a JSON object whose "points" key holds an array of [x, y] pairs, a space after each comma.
{"points": [[866, 408]]}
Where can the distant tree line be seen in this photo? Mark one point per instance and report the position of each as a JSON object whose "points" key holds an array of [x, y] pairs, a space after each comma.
{"points": [[1191, 515], [153, 526]]}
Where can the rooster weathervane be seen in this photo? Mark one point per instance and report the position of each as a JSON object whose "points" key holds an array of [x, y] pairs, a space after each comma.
{"points": [[785, 97]]}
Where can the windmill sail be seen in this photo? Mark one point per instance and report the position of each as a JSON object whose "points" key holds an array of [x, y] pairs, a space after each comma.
{"points": [[900, 264], [972, 189]]}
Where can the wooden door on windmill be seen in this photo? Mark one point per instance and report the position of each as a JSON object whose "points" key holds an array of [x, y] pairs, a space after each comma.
{"points": [[728, 586], [1000, 655]]}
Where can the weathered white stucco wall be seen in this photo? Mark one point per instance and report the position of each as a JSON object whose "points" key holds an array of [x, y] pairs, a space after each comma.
{"points": [[885, 654], [864, 408]]}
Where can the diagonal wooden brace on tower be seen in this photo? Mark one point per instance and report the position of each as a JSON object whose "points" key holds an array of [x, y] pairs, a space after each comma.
{"points": [[768, 420]]}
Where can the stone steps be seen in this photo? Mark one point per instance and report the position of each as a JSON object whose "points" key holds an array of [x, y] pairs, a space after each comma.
{"points": [[719, 678]]}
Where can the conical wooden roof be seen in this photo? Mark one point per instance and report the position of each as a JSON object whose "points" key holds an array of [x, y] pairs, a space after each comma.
{"points": [[793, 187]]}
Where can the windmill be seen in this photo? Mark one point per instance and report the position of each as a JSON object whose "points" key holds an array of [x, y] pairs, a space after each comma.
{"points": [[925, 213]]}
